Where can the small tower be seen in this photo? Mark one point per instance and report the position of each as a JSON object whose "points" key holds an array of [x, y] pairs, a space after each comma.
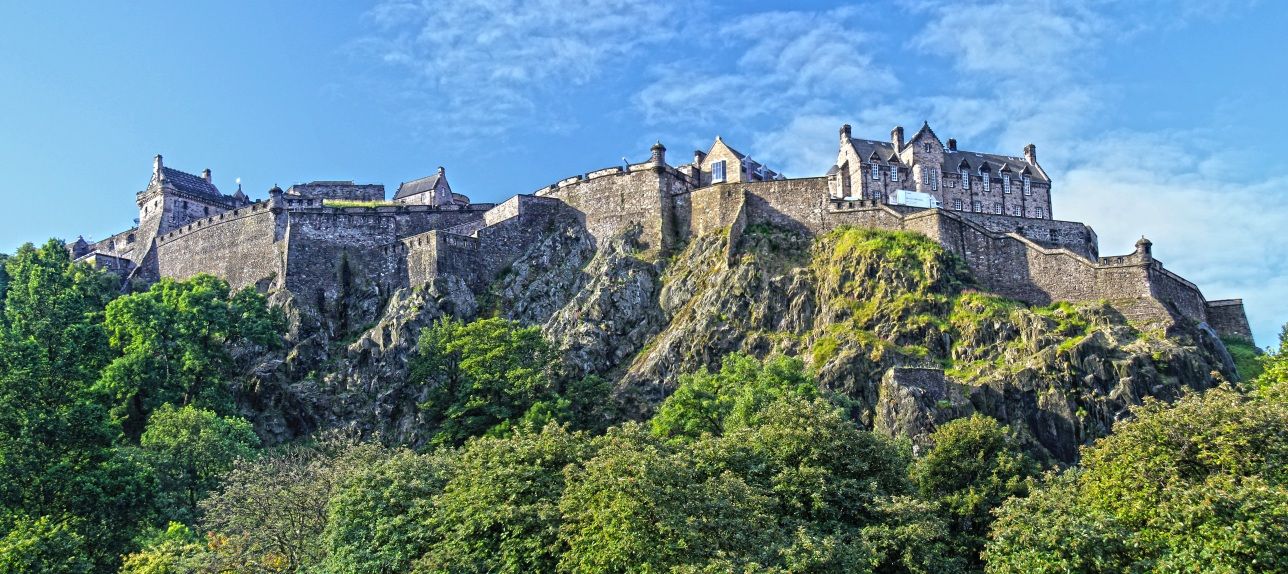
{"points": [[657, 156], [1144, 247], [275, 203]]}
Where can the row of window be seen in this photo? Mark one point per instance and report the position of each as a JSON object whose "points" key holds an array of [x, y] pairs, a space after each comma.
{"points": [[978, 207], [876, 173], [930, 177]]}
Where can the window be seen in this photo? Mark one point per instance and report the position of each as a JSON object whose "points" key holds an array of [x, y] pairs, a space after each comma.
{"points": [[1025, 183], [894, 173], [1037, 212], [1016, 211], [1055, 236], [925, 175], [1006, 182], [934, 179], [975, 206], [876, 173], [997, 208], [876, 194], [718, 172], [957, 204], [965, 179], [987, 180], [185, 204], [925, 147]]}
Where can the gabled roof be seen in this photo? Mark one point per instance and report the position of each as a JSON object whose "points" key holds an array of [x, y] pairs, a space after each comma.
{"points": [[189, 183], [993, 162], [925, 129], [418, 186], [735, 152]]}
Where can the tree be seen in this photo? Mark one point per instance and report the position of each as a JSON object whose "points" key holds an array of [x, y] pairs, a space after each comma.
{"points": [[706, 402], [175, 550], [639, 505], [44, 546], [491, 374], [378, 521], [499, 511], [175, 340], [191, 448], [974, 466], [1201, 484], [270, 512]]}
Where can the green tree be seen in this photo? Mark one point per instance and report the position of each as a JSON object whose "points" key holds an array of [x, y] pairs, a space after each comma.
{"points": [[175, 341], [974, 466], [56, 438], [492, 374], [175, 550], [706, 402], [640, 505], [191, 448], [500, 512], [44, 546], [378, 520], [1199, 485], [270, 512]]}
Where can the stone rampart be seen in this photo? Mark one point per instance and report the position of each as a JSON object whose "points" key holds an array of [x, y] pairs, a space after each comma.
{"points": [[344, 190], [611, 200], [244, 247], [1227, 318]]}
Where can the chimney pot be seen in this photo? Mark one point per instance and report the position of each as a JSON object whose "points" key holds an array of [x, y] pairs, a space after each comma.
{"points": [[205, 174]]}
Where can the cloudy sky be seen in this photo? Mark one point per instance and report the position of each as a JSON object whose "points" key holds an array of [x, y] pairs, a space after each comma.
{"points": [[1160, 118]]}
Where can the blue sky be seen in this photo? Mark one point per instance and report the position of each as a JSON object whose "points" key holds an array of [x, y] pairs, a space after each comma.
{"points": [[1161, 118]]}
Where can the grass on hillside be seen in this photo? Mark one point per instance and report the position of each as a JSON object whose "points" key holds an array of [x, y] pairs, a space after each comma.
{"points": [[1247, 357]]}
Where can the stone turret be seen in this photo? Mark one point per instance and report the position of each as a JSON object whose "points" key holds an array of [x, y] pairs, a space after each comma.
{"points": [[1144, 247], [658, 155], [275, 203]]}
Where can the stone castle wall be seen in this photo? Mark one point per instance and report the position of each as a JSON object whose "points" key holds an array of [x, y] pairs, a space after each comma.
{"points": [[1228, 318], [611, 200], [343, 190], [243, 246]]}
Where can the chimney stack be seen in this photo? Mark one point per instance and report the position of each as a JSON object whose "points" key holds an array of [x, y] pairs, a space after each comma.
{"points": [[698, 156], [952, 144], [441, 171], [205, 174], [845, 133], [157, 174], [1031, 154], [896, 138]]}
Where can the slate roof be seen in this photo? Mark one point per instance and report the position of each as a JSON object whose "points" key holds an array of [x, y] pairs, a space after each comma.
{"points": [[416, 186], [189, 183], [952, 159]]}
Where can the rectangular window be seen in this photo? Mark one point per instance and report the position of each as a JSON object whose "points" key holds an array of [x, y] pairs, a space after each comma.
{"points": [[925, 147], [1055, 236], [934, 179], [876, 194], [997, 208], [957, 204], [1006, 183], [1015, 210], [894, 173], [876, 173], [1038, 212], [975, 206], [718, 171], [965, 179], [987, 181], [925, 175], [1027, 189]]}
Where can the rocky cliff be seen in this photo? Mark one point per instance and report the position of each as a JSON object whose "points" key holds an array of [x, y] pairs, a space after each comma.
{"points": [[889, 320]]}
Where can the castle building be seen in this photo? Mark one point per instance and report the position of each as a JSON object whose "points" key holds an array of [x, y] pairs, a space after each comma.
{"points": [[993, 211], [925, 172]]}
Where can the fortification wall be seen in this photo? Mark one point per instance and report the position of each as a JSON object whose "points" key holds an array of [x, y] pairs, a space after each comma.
{"points": [[243, 246], [332, 252], [437, 253], [611, 200], [1227, 318], [345, 190]]}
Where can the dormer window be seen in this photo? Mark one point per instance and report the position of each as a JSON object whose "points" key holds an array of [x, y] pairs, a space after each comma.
{"points": [[988, 181], [1028, 189], [876, 173], [718, 172], [1006, 182], [965, 179]]}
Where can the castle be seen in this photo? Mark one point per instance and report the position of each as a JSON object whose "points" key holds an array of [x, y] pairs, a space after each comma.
{"points": [[993, 210]]}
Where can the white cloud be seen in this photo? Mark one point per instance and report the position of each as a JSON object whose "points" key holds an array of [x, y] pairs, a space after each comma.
{"points": [[472, 66]]}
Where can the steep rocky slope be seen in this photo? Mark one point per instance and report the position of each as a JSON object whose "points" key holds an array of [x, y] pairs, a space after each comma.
{"points": [[854, 304]]}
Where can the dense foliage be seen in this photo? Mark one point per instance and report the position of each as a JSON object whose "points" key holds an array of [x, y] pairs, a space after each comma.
{"points": [[121, 449]]}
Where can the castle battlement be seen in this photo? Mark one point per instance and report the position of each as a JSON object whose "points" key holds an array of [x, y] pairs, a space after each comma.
{"points": [[994, 211]]}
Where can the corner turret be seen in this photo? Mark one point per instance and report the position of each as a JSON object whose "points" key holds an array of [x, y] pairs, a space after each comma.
{"points": [[275, 203], [657, 155], [1144, 247]]}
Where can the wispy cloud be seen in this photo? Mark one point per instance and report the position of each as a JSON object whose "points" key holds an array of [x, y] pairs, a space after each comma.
{"points": [[473, 66]]}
